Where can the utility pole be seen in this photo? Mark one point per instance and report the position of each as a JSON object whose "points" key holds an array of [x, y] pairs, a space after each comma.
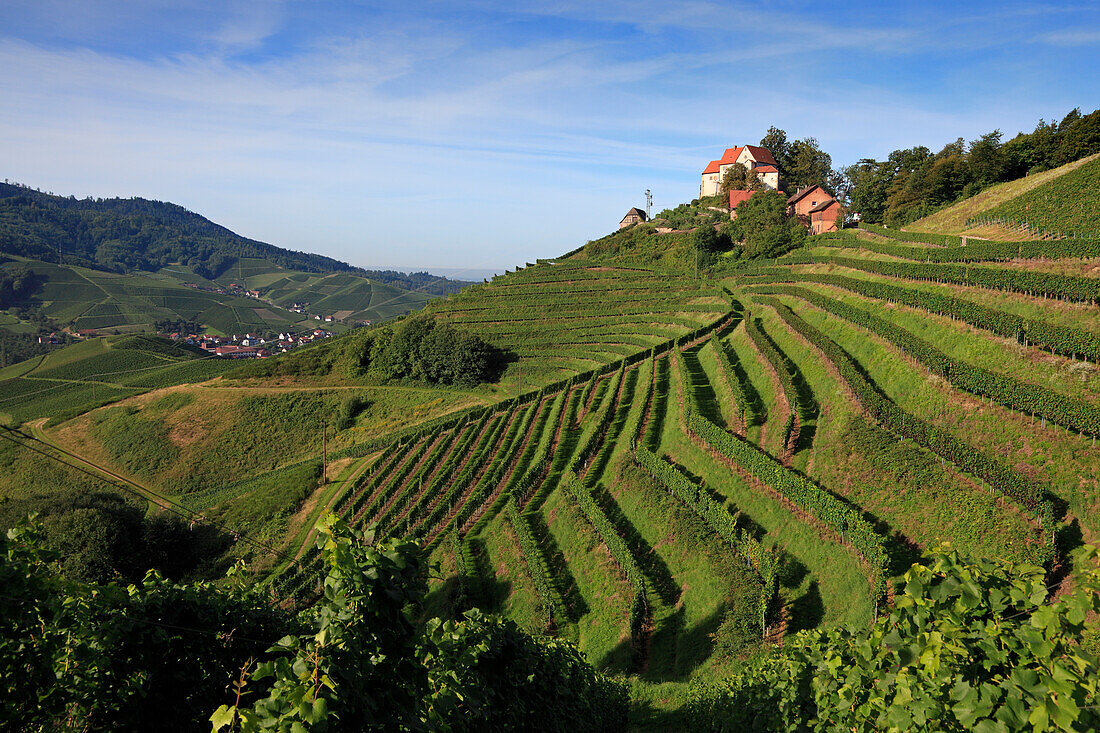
{"points": [[648, 204]]}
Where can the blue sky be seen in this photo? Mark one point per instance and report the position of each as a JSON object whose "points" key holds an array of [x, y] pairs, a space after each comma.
{"points": [[482, 135]]}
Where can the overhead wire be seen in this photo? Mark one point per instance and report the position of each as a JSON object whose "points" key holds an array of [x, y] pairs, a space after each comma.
{"points": [[142, 492]]}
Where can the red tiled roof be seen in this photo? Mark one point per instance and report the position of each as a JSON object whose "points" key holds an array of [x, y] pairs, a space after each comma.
{"points": [[730, 156], [824, 205], [737, 197], [803, 192], [766, 169], [712, 167], [761, 155]]}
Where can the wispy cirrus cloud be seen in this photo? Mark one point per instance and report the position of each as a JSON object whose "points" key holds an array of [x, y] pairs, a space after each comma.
{"points": [[364, 131]]}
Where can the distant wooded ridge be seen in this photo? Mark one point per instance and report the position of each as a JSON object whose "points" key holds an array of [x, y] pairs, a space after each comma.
{"points": [[124, 235]]}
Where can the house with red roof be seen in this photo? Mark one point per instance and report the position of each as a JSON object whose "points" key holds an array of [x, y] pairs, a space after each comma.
{"points": [[815, 208], [752, 157]]}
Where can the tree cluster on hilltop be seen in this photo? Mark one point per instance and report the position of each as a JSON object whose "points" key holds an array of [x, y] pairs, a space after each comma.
{"points": [[801, 163], [418, 348], [913, 183]]}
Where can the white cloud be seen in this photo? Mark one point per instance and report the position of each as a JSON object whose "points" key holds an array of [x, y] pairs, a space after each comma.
{"points": [[433, 140]]}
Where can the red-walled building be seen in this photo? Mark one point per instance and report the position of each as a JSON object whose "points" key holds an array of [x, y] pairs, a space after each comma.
{"points": [[815, 208]]}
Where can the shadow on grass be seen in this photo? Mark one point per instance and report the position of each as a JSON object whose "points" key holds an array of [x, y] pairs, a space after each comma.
{"points": [[676, 651], [807, 611], [658, 410], [559, 568], [650, 563], [705, 398]]}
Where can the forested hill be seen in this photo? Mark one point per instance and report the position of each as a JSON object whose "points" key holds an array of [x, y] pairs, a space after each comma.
{"points": [[124, 235]]}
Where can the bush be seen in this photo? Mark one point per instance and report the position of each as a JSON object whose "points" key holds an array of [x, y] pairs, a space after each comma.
{"points": [[763, 227], [970, 645]]}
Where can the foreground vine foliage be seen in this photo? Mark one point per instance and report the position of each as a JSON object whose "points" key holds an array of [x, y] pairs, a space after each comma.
{"points": [[369, 666], [160, 656], [971, 645]]}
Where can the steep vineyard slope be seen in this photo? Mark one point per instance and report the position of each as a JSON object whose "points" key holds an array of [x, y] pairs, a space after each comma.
{"points": [[960, 217]]}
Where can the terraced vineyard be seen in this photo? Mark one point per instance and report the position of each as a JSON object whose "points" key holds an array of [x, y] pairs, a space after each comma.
{"points": [[676, 474], [93, 299], [694, 495], [98, 371], [347, 295]]}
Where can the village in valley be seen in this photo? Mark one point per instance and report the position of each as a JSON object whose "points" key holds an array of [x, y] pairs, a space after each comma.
{"points": [[746, 170]]}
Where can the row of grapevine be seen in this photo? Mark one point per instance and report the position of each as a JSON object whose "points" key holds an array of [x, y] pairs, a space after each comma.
{"points": [[816, 501], [505, 460], [977, 250], [722, 522], [395, 510], [886, 412], [646, 399], [943, 240], [367, 499], [1046, 284], [778, 364], [616, 423], [747, 411], [544, 297], [1015, 395], [556, 460], [466, 569], [454, 460], [550, 598], [604, 416], [661, 385], [345, 503], [543, 315], [1072, 342], [531, 463], [490, 475], [620, 552], [444, 501]]}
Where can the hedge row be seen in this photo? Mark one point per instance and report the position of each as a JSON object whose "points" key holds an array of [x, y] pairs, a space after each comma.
{"points": [[816, 501], [620, 552], [940, 442], [1015, 395]]}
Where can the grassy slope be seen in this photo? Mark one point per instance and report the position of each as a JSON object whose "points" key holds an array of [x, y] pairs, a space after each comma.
{"points": [[561, 321], [952, 220]]}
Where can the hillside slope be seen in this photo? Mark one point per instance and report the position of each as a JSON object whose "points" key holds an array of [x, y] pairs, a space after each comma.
{"points": [[955, 219], [677, 472], [124, 264]]}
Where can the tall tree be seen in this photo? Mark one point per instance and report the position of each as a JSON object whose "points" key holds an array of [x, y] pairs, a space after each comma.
{"points": [[740, 178], [775, 140], [809, 164]]}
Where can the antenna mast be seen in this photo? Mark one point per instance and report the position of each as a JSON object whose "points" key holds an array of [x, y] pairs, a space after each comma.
{"points": [[648, 204]]}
